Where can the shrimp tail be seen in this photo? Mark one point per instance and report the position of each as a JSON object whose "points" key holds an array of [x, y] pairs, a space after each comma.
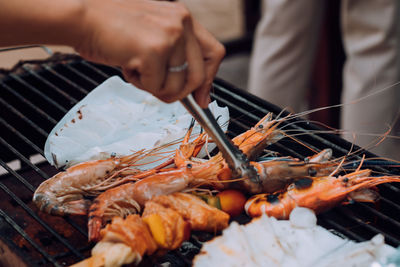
{"points": [[98, 216], [94, 227]]}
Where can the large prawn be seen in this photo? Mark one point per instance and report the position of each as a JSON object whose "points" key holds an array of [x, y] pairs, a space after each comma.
{"points": [[64, 192], [318, 194]]}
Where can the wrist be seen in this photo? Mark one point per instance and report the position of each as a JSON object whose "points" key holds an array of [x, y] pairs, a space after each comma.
{"points": [[67, 27]]}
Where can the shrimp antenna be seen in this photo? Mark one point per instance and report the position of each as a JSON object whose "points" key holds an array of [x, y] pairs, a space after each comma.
{"points": [[361, 163], [300, 114], [338, 167], [278, 117]]}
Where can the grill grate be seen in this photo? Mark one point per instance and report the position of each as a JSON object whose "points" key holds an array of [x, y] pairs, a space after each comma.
{"points": [[36, 94]]}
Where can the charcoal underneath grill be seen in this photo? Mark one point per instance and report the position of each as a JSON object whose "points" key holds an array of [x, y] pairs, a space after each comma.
{"points": [[35, 95]]}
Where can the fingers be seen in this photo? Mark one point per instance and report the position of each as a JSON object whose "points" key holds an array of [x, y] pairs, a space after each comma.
{"points": [[213, 52], [153, 69], [171, 41], [202, 95], [148, 71], [132, 74], [175, 80], [194, 57], [180, 84]]}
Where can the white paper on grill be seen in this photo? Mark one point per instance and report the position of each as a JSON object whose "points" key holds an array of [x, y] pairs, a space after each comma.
{"points": [[117, 118], [297, 242]]}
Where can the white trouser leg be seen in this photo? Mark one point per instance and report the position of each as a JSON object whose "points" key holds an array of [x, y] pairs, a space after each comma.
{"points": [[371, 37], [283, 51]]}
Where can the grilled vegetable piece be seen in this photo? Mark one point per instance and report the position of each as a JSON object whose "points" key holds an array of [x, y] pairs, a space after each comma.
{"points": [[200, 215], [167, 226], [232, 201]]}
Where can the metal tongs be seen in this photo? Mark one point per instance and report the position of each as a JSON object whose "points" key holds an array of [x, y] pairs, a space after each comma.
{"points": [[236, 160]]}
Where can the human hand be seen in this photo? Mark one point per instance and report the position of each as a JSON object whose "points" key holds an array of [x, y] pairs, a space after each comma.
{"points": [[146, 38]]}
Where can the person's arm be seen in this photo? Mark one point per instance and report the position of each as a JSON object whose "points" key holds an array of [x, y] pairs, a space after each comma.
{"points": [[143, 37], [40, 22]]}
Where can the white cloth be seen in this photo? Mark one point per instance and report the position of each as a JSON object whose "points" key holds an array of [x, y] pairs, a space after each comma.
{"points": [[283, 55]]}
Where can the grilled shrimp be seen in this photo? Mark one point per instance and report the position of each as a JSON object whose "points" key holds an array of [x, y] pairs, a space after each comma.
{"points": [[64, 192], [319, 194], [274, 173], [130, 198]]}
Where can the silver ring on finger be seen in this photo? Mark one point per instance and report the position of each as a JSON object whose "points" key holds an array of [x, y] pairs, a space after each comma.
{"points": [[179, 68]]}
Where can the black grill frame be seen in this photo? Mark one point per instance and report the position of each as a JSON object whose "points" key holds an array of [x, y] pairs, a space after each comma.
{"points": [[36, 94]]}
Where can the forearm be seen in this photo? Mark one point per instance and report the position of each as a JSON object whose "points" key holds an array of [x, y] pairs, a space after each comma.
{"points": [[40, 22], [145, 38]]}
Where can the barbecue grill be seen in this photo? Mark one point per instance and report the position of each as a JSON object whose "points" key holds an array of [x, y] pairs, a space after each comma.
{"points": [[34, 97]]}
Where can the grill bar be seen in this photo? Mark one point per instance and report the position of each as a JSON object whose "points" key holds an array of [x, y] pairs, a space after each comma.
{"points": [[58, 90], [85, 72], [17, 133], [31, 188], [391, 203], [16, 175], [236, 107], [29, 103], [28, 238], [380, 215], [36, 217], [48, 99], [332, 224], [25, 160], [97, 70], [27, 184], [392, 187], [366, 225], [24, 118], [69, 67], [388, 237], [66, 80]]}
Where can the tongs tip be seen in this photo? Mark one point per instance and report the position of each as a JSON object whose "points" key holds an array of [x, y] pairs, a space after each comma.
{"points": [[235, 158]]}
